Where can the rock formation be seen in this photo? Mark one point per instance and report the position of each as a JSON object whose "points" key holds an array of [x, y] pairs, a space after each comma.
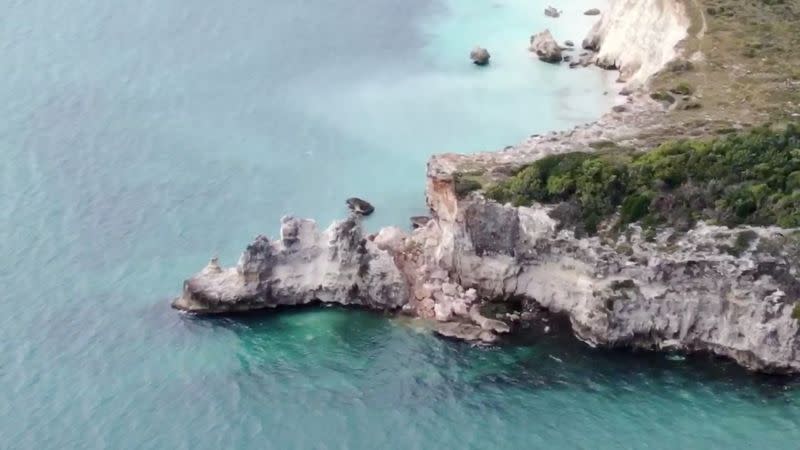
{"points": [[546, 47], [359, 206], [480, 56], [419, 221], [689, 292], [552, 12], [338, 265]]}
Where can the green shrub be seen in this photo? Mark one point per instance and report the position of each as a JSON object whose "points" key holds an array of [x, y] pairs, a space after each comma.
{"points": [[742, 242], [634, 208], [464, 184], [796, 311], [745, 178]]}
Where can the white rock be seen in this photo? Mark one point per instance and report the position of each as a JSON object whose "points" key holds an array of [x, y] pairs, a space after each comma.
{"points": [[449, 289], [338, 265], [443, 312], [391, 239]]}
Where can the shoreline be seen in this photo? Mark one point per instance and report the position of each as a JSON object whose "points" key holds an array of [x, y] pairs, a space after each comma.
{"points": [[475, 252]]}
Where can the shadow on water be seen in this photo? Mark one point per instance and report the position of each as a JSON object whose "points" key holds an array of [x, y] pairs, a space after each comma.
{"points": [[354, 342], [558, 358], [282, 318]]}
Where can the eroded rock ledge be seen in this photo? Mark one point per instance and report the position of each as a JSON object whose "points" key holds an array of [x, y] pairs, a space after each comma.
{"points": [[336, 266]]}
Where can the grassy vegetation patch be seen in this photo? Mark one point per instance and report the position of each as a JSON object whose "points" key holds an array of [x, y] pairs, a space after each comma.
{"points": [[796, 311], [741, 244], [466, 182], [748, 178], [744, 56]]}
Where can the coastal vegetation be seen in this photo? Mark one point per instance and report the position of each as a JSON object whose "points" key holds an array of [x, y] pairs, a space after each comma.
{"points": [[749, 178], [466, 182]]}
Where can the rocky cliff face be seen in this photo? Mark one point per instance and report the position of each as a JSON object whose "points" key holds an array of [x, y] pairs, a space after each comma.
{"points": [[338, 265], [638, 37], [705, 290]]}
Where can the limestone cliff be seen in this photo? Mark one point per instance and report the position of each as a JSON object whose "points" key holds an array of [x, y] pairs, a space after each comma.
{"points": [[687, 292], [638, 37]]}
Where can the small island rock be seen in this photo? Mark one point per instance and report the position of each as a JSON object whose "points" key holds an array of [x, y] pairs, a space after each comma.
{"points": [[480, 56], [359, 206], [552, 12], [546, 47], [592, 12]]}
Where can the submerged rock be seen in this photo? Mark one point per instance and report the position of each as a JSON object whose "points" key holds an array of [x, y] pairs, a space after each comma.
{"points": [[465, 332], [480, 56], [546, 47], [359, 206], [486, 323]]}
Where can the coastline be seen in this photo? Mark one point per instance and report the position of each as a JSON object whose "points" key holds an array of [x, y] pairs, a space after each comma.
{"points": [[474, 251]]}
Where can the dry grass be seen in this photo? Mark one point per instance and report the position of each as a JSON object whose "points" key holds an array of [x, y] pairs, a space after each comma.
{"points": [[744, 67]]}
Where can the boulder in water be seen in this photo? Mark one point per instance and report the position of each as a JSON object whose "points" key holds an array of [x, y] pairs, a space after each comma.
{"points": [[546, 47], [419, 221], [592, 12], [552, 12], [360, 206], [465, 332], [480, 56]]}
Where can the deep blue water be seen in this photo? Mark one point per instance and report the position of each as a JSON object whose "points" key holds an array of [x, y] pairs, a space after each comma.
{"points": [[141, 137]]}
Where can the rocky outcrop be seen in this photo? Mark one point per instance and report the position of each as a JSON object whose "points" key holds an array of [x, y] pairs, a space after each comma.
{"points": [[465, 332], [699, 291], [552, 12], [732, 292], [546, 47], [419, 221], [360, 206], [338, 265], [479, 56]]}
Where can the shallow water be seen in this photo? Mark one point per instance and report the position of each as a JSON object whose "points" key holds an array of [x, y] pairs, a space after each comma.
{"points": [[139, 138]]}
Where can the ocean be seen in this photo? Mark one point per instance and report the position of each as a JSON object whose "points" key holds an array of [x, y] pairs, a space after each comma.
{"points": [[140, 138]]}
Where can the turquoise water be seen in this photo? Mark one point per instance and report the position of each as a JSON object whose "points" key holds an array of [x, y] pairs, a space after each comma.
{"points": [[139, 138]]}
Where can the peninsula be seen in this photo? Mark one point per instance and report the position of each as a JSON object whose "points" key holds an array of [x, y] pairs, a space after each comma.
{"points": [[672, 223]]}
